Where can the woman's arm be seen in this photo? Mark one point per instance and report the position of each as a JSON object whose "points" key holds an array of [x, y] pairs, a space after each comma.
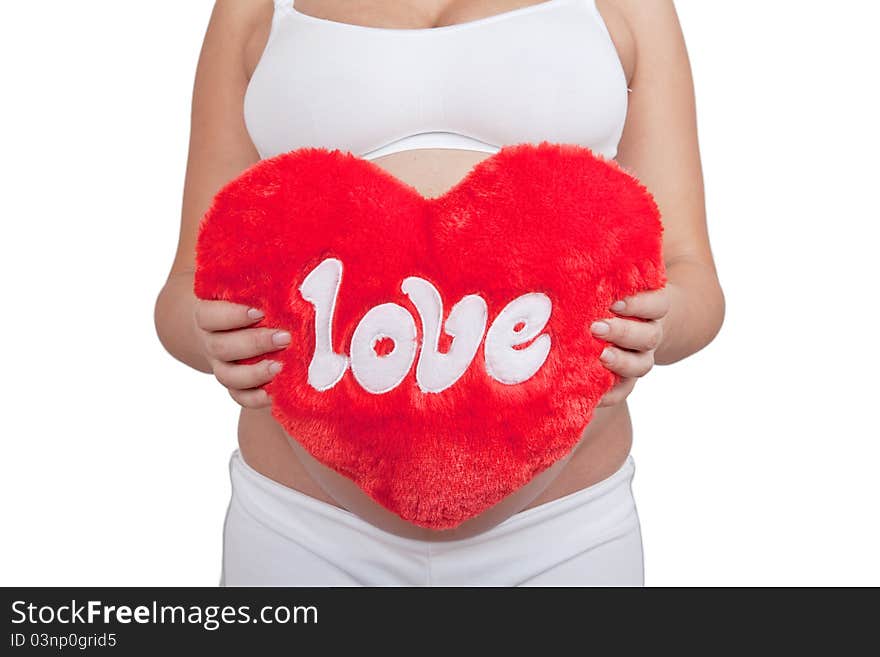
{"points": [[219, 149], [660, 147]]}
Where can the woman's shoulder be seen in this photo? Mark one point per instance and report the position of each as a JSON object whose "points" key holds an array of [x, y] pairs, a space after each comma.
{"points": [[639, 27], [243, 25]]}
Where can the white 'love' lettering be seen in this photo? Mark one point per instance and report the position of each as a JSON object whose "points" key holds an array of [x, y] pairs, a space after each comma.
{"points": [[507, 360]]}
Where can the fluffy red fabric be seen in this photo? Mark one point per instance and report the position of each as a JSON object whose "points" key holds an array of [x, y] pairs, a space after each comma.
{"points": [[549, 218]]}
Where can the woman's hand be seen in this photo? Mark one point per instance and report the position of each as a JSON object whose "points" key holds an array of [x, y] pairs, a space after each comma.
{"points": [[635, 334], [225, 338]]}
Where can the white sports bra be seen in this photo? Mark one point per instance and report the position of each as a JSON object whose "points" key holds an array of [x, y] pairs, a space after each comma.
{"points": [[547, 71]]}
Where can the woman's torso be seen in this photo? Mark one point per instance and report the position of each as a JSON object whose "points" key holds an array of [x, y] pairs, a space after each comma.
{"points": [[427, 104]]}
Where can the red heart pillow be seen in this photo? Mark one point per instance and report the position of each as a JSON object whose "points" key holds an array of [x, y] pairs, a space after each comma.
{"points": [[441, 353]]}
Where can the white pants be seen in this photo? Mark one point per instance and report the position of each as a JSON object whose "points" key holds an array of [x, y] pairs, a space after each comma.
{"points": [[278, 536]]}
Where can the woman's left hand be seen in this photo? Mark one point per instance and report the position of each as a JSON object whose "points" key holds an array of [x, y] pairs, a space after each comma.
{"points": [[634, 333]]}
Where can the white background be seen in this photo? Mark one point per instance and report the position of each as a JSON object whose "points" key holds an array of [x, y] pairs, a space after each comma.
{"points": [[758, 459]]}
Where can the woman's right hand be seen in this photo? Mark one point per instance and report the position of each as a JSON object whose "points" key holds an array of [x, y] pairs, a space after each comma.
{"points": [[226, 336]]}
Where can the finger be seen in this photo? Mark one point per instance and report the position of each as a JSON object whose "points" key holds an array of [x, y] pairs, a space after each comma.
{"points": [[242, 377], [653, 304], [223, 315], [627, 363], [245, 343], [618, 393], [627, 333], [254, 398]]}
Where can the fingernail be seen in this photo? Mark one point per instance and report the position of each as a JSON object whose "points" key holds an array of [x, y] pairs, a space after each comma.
{"points": [[617, 306], [607, 356], [600, 328], [255, 313], [274, 367], [281, 338]]}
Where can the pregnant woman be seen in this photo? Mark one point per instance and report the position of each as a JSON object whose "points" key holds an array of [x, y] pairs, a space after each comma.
{"points": [[425, 89]]}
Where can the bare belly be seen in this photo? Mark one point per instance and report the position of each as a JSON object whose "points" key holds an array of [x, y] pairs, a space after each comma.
{"points": [[265, 446]]}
